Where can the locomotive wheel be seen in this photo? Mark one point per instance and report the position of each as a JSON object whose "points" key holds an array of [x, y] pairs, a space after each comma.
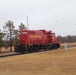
{"points": [[37, 49], [29, 50], [22, 50], [44, 47]]}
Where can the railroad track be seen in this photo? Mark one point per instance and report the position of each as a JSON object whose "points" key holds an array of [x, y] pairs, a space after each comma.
{"points": [[7, 54]]}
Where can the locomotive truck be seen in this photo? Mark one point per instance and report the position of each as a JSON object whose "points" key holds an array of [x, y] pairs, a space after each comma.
{"points": [[35, 40]]}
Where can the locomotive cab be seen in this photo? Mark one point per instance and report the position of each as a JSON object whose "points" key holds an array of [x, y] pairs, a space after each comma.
{"points": [[55, 42], [53, 38]]}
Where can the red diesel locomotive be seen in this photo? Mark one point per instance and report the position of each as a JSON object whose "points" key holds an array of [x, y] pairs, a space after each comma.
{"points": [[35, 40]]}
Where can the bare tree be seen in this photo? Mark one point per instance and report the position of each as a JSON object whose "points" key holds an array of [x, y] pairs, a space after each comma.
{"points": [[10, 27], [22, 26]]}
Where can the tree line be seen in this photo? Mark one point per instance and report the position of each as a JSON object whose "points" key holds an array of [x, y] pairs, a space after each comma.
{"points": [[9, 34], [67, 39]]}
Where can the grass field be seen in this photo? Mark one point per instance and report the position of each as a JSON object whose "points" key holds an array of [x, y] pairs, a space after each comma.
{"points": [[68, 44], [54, 62]]}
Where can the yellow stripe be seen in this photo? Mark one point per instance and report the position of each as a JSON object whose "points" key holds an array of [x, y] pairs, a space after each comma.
{"points": [[35, 36]]}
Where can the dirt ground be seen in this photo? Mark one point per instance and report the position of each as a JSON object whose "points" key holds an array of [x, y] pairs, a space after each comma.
{"points": [[54, 62]]}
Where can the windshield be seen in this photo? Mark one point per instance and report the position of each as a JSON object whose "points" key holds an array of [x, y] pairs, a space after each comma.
{"points": [[52, 34]]}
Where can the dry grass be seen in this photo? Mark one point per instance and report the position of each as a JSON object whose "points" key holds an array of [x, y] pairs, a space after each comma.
{"points": [[74, 43], [6, 49], [55, 62]]}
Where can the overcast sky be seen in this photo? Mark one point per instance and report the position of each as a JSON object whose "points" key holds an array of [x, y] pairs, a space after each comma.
{"points": [[56, 15]]}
